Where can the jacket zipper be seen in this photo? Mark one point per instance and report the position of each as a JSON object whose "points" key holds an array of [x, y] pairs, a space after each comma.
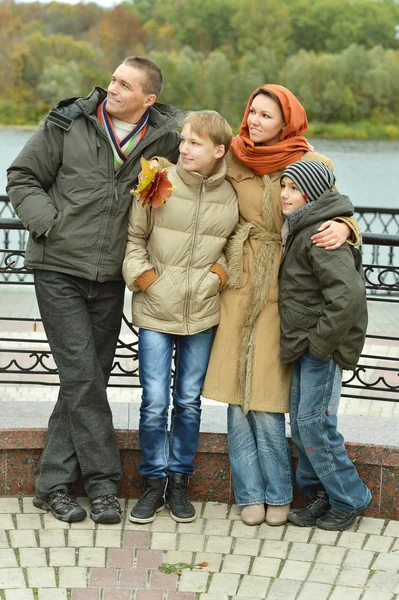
{"points": [[187, 302]]}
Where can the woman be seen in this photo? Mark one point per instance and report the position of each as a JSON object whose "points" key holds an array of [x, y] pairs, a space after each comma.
{"points": [[245, 369]]}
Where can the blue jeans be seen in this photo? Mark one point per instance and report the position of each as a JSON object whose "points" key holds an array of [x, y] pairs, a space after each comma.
{"points": [[174, 453], [260, 457], [322, 458], [82, 320]]}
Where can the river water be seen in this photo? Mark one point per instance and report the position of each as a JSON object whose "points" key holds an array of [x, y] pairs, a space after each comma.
{"points": [[367, 171]]}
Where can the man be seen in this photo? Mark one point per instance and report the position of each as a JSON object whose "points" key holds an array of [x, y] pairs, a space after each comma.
{"points": [[70, 187]]}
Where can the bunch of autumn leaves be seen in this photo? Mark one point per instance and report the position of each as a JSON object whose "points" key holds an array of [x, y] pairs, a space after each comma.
{"points": [[154, 186]]}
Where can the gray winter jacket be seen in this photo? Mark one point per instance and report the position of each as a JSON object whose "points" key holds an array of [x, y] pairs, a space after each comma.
{"points": [[322, 295], [64, 181]]}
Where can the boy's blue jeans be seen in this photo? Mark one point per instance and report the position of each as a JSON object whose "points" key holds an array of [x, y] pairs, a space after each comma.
{"points": [[322, 458], [173, 453]]}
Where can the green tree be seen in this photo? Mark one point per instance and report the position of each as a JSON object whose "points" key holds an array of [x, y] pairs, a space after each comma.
{"points": [[59, 81]]}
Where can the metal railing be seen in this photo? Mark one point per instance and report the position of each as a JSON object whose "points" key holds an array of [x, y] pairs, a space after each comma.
{"points": [[27, 359]]}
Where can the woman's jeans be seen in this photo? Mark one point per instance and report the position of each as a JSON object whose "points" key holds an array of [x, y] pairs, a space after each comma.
{"points": [[260, 457], [322, 458], [163, 454]]}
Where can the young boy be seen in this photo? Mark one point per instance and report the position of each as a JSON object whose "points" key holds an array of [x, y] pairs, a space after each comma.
{"points": [[175, 266], [322, 301]]}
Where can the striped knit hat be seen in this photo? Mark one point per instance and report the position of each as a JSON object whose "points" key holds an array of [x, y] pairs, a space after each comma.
{"points": [[312, 178]]}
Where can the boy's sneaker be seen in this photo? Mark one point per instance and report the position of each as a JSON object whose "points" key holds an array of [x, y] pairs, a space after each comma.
{"points": [[62, 506], [106, 509], [181, 510], [151, 502], [307, 516], [338, 520]]}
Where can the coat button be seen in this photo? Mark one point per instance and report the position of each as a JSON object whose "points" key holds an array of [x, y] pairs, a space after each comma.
{"points": [[239, 176]]}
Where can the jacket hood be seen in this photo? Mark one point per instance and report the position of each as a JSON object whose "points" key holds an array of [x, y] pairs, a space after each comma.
{"points": [[330, 204]]}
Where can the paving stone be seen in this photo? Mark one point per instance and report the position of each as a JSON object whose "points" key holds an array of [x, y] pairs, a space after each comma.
{"points": [[322, 573], [266, 566], [12, 578], [192, 542], [32, 557], [214, 596], [81, 538], [275, 549], [358, 558], [193, 581], [148, 559], [214, 560], [297, 534], [133, 578], [6, 522], [352, 576], [175, 556], [164, 526], [162, 541], [373, 595], [270, 533], [283, 589], [330, 555], [217, 527], [305, 552], [295, 569], [246, 547], [161, 581], [52, 594], [92, 594], [387, 562], [321, 536], [253, 587], [86, 524], [226, 583], [181, 596], [23, 594], [240, 530], [346, 593], [350, 539], [28, 507], [8, 558], [114, 594], [62, 557], [50, 538], [51, 522], [149, 595], [73, 577], [194, 527], [215, 510], [236, 564], [378, 543], [23, 539], [311, 591], [107, 538], [3, 540], [102, 577], [41, 577], [380, 582], [218, 544], [391, 530], [370, 525], [9, 505], [92, 557], [120, 557], [28, 522]]}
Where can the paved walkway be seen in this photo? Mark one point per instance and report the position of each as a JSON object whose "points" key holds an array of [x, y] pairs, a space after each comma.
{"points": [[215, 558]]}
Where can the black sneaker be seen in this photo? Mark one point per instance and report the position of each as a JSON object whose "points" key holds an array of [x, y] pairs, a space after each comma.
{"points": [[307, 516], [151, 502], [338, 520], [62, 506], [106, 509], [181, 510]]}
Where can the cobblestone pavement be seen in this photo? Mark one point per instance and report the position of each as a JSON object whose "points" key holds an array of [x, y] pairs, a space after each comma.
{"points": [[44, 559]]}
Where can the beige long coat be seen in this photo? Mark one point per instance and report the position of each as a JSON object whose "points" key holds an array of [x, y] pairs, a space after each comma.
{"points": [[245, 366]]}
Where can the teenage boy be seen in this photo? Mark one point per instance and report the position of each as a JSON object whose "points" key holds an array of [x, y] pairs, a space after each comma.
{"points": [[175, 266], [323, 311]]}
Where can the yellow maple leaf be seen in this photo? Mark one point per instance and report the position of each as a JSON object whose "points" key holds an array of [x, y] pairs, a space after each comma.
{"points": [[147, 175]]}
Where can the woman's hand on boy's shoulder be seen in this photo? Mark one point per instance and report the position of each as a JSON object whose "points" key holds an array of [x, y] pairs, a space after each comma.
{"points": [[331, 235]]}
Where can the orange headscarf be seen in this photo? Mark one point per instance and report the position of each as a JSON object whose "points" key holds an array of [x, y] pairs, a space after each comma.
{"points": [[290, 148]]}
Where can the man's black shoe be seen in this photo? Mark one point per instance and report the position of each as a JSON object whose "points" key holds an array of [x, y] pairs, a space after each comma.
{"points": [[151, 502], [338, 520], [307, 516], [106, 509], [62, 506], [181, 509]]}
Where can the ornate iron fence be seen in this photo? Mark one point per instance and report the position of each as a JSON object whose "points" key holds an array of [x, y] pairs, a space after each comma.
{"points": [[25, 357]]}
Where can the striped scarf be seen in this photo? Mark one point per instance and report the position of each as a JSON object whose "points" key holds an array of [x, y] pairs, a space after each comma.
{"points": [[121, 148]]}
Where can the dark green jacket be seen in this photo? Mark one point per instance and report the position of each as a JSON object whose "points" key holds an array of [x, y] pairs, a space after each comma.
{"points": [[64, 180], [322, 295]]}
